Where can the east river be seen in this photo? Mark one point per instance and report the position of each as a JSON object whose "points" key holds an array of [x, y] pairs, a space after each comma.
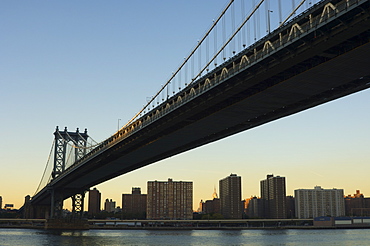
{"points": [[185, 237]]}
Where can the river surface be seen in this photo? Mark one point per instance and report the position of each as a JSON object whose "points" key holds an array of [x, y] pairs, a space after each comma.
{"points": [[189, 237]]}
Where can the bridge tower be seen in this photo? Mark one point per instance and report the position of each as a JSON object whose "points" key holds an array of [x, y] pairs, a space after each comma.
{"points": [[62, 138], [79, 143]]}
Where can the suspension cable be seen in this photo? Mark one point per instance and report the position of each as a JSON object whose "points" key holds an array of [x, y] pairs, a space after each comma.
{"points": [[293, 12], [47, 164], [69, 156], [75, 145]]}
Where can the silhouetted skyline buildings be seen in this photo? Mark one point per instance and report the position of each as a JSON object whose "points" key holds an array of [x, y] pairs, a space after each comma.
{"points": [[357, 204], [173, 200]]}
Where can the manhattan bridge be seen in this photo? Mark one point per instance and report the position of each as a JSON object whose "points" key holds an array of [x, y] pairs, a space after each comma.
{"points": [[259, 61]]}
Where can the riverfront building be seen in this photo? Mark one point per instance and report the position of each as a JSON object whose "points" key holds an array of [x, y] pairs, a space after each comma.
{"points": [[94, 202], [230, 197], [312, 203], [273, 193], [170, 200], [134, 204]]}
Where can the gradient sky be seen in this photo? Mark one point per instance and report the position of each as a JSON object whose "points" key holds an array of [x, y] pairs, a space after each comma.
{"points": [[89, 63]]}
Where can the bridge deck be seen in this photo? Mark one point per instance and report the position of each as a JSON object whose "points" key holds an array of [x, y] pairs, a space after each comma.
{"points": [[326, 63]]}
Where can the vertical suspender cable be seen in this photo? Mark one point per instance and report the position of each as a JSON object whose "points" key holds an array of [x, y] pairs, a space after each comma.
{"points": [[243, 30], [207, 50], [280, 14], [254, 24], [223, 36], [249, 33], [215, 44], [200, 57], [192, 69], [267, 16], [259, 22], [232, 47]]}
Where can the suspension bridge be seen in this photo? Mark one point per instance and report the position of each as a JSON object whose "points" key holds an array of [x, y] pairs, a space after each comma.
{"points": [[248, 69]]}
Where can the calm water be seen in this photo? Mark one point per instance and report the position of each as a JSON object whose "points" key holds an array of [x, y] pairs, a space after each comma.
{"points": [[196, 237]]}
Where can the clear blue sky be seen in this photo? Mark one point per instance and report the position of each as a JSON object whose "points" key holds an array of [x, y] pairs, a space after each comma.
{"points": [[89, 63]]}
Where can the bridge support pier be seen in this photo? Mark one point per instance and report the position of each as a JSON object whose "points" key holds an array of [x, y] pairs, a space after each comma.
{"points": [[56, 208], [66, 224], [59, 221], [78, 205]]}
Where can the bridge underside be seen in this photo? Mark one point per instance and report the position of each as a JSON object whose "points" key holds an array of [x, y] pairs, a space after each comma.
{"points": [[295, 79]]}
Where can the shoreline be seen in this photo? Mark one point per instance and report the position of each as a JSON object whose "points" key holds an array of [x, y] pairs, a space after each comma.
{"points": [[166, 228]]}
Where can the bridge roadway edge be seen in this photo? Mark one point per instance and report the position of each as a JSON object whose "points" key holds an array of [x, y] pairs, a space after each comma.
{"points": [[157, 140]]}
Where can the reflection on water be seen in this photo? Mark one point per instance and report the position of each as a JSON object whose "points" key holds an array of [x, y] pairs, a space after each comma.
{"points": [[185, 237]]}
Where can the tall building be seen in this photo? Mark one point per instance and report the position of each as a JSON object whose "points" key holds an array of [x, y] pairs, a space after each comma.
{"points": [[231, 196], [311, 203], [170, 200], [94, 205], [109, 205], [1, 202], [273, 193], [134, 204]]}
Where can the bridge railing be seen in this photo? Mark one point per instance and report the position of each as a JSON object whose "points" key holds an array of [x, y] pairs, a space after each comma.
{"points": [[280, 38]]}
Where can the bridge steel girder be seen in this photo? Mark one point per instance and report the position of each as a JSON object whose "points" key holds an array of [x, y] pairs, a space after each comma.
{"points": [[321, 68]]}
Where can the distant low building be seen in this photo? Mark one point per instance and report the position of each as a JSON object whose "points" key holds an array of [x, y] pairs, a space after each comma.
{"points": [[134, 204], [312, 203], [9, 206], [110, 205], [357, 205], [211, 206], [290, 207], [254, 207]]}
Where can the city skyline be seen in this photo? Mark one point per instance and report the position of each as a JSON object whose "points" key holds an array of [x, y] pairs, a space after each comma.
{"points": [[68, 64], [97, 194]]}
